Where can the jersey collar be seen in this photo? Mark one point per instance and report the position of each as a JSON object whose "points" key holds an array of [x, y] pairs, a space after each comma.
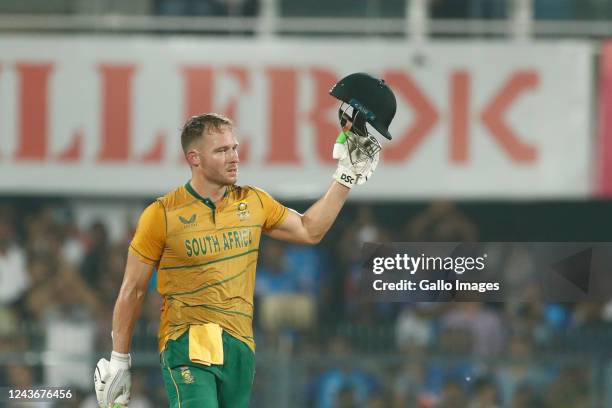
{"points": [[207, 201]]}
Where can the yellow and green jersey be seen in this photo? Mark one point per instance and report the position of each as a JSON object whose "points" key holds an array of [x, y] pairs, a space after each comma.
{"points": [[206, 257]]}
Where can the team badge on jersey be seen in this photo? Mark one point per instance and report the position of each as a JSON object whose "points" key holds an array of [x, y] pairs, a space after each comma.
{"points": [[186, 374], [243, 211]]}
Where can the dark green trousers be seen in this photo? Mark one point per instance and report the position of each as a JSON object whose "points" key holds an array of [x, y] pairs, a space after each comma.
{"points": [[191, 385]]}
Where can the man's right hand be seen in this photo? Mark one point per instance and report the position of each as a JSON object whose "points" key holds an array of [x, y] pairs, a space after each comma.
{"points": [[112, 381]]}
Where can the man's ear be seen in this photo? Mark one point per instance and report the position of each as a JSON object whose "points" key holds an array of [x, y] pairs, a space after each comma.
{"points": [[193, 158]]}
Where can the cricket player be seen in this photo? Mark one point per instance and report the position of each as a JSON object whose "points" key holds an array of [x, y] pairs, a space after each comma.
{"points": [[203, 239]]}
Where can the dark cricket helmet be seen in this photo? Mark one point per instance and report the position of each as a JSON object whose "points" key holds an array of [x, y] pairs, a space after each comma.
{"points": [[371, 99]]}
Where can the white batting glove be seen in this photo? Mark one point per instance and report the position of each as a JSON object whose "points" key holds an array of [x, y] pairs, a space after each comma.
{"points": [[354, 167], [113, 381]]}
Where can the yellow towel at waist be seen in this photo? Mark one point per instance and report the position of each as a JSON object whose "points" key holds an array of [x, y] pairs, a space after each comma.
{"points": [[206, 344]]}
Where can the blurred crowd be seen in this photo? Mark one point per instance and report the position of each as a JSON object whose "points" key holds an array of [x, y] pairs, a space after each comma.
{"points": [[58, 284]]}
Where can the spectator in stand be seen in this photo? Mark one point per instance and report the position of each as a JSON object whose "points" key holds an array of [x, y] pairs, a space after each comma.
{"points": [[307, 264], [378, 399], [283, 304], [346, 398], [95, 263], [14, 280], [483, 325], [70, 330], [519, 372], [485, 394], [273, 275], [528, 319], [409, 385], [526, 397], [365, 229], [453, 396], [442, 221], [368, 228], [8, 328], [571, 388], [339, 386], [413, 332], [41, 296], [73, 249]]}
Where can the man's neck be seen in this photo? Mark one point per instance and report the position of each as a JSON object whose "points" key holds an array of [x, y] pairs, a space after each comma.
{"points": [[209, 190]]}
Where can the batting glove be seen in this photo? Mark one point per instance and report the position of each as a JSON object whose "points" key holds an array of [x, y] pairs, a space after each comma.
{"points": [[357, 158], [113, 381]]}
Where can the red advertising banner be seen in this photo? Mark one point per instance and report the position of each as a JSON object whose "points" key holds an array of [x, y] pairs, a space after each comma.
{"points": [[98, 116]]}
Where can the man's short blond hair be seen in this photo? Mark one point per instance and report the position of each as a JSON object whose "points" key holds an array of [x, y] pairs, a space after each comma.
{"points": [[199, 125]]}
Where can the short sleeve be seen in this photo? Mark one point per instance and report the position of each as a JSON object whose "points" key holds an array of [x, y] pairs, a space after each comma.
{"points": [[150, 237], [275, 212]]}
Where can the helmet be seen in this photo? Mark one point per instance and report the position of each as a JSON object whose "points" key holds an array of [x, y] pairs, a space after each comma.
{"points": [[371, 100]]}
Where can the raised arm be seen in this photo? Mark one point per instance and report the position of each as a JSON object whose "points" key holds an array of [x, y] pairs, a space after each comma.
{"points": [[311, 227]]}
